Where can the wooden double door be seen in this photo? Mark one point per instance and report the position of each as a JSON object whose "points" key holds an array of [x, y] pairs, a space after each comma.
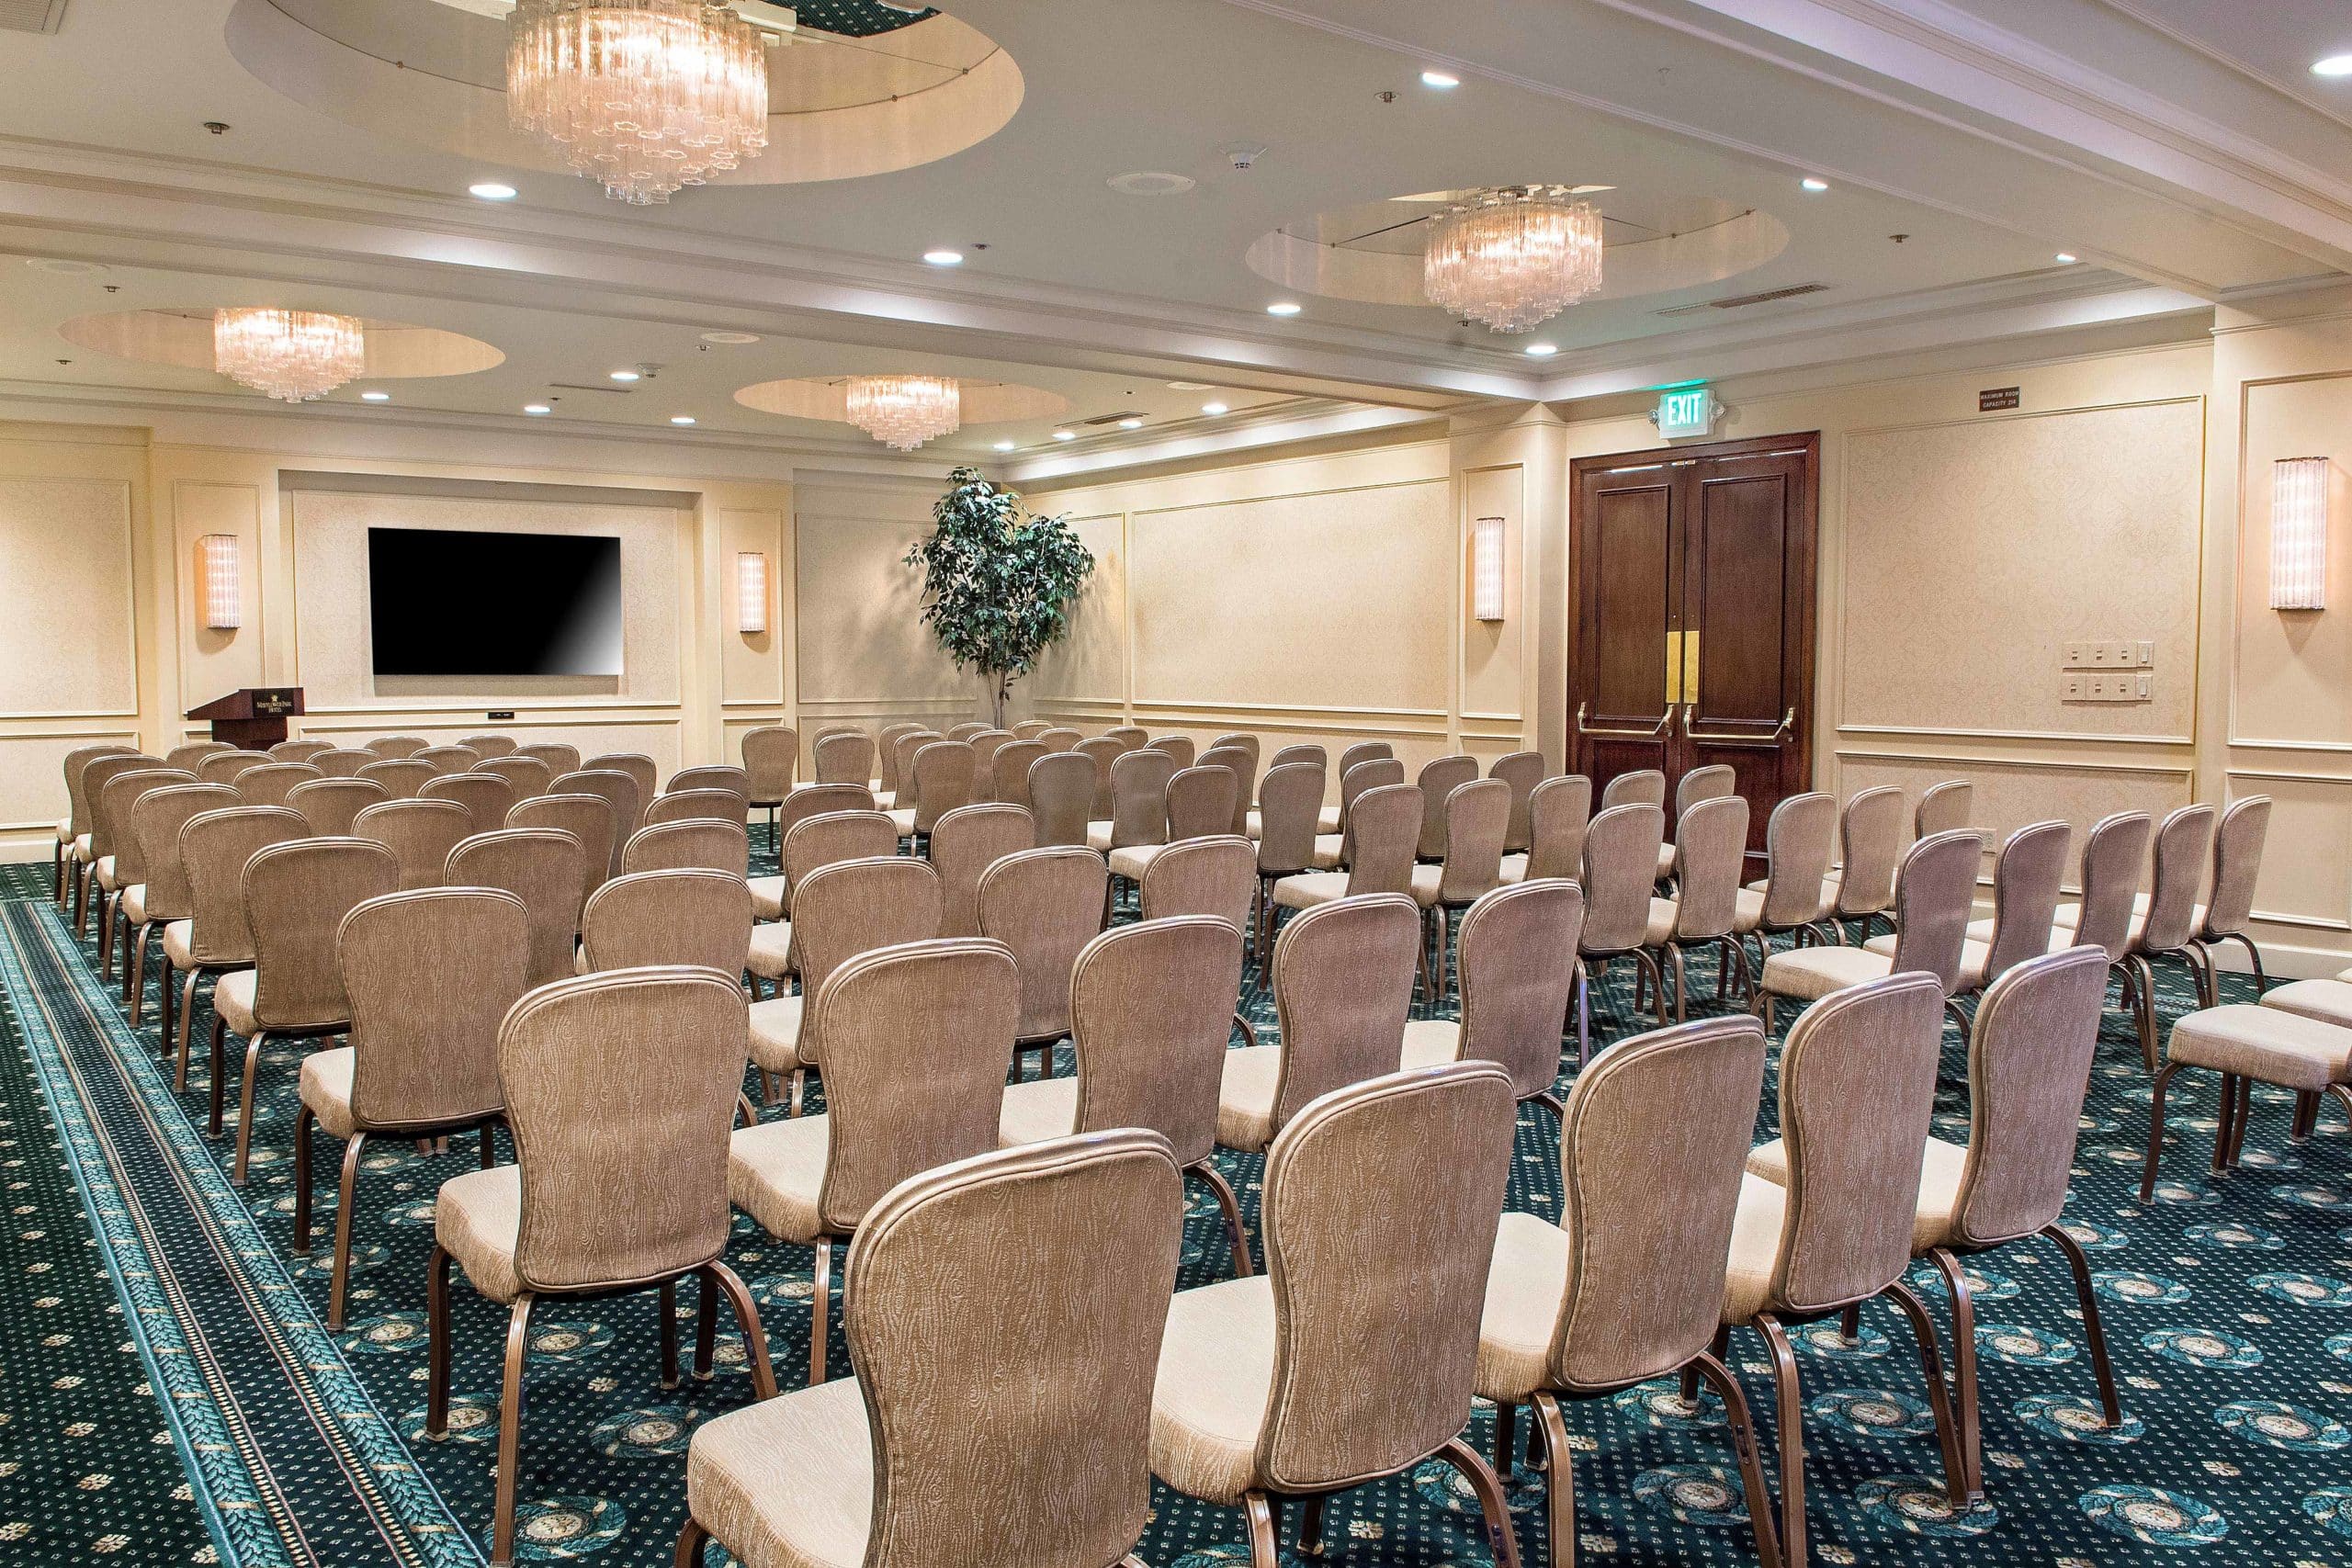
{"points": [[1692, 642]]}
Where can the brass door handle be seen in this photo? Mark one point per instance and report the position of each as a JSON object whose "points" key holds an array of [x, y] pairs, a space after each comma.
{"points": [[1657, 734], [1788, 723]]}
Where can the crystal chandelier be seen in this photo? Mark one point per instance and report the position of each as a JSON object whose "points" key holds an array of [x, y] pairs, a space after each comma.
{"points": [[1514, 257], [293, 355], [641, 95], [904, 412]]}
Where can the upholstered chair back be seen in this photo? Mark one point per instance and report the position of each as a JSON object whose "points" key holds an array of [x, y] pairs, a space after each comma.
{"points": [[1943, 808], [341, 761], [985, 746], [1043, 905], [1798, 843], [943, 775], [1303, 752], [77, 763], [587, 818], [1519, 969], [1382, 1202], [846, 756], [486, 797], [2025, 895], [850, 907], [1030, 729], [448, 758], [1646, 786], [822, 800], [1343, 985], [397, 748], [1216, 876], [1858, 1090], [1151, 1013], [2183, 851], [1652, 1147], [1712, 781], [1139, 781], [1558, 812], [1477, 819], [110, 831], [299, 750], [420, 834], [402, 778], [1709, 853], [1290, 802], [707, 804], [222, 767], [548, 870], [1243, 766], [1367, 752], [185, 758], [715, 775], [695, 843], [561, 756], [296, 896], [1620, 868], [618, 790], [1522, 771], [271, 783], [1180, 746], [914, 1041], [884, 766], [1103, 751], [1240, 738], [1061, 789], [1009, 771], [1439, 777], [488, 746], [2029, 1066], [1201, 802], [2238, 861], [1130, 736], [1384, 829], [331, 804], [964, 844], [903, 746], [771, 761], [430, 976], [694, 915], [214, 848], [640, 769], [831, 836], [1935, 894], [528, 777], [1060, 737], [1870, 835], [156, 819], [619, 1090], [965, 730]]}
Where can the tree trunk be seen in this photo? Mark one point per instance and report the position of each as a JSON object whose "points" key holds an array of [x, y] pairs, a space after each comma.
{"points": [[1000, 695]]}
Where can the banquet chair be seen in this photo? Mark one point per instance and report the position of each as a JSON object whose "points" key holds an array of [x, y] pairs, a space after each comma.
{"points": [[587, 818], [1870, 837], [641, 768], [397, 748], [811, 842], [1620, 877], [331, 804], [642, 920], [270, 783], [941, 771], [1138, 803], [1243, 765], [222, 767], [1519, 979], [1290, 806], [448, 758], [420, 834], [402, 778], [1439, 778], [1522, 770], [1200, 805], [1030, 729], [76, 824], [1334, 818], [1384, 826], [841, 908], [547, 868], [529, 777], [299, 750], [1060, 737], [985, 746], [2237, 863], [1715, 781], [1181, 747], [844, 757], [1105, 752], [1709, 852], [2026, 875], [1477, 813], [185, 757], [1331, 844], [770, 899], [121, 862], [712, 776], [964, 844], [771, 761], [1558, 812], [164, 898], [486, 797], [1943, 808], [342, 761], [561, 756], [1793, 899], [1214, 875], [695, 843], [1935, 890], [1042, 906], [1132, 737], [2303, 1046], [215, 938], [1061, 796], [618, 790], [965, 730], [1644, 786], [429, 975], [488, 746], [1009, 773], [903, 741], [2169, 925], [701, 804]]}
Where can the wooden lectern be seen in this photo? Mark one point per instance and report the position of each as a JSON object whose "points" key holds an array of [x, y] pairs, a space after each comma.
{"points": [[253, 720]]}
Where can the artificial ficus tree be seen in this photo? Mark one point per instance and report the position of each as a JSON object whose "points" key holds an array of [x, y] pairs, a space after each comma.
{"points": [[997, 585]]}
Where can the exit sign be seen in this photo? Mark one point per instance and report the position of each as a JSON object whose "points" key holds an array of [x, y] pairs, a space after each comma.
{"points": [[1686, 411]]}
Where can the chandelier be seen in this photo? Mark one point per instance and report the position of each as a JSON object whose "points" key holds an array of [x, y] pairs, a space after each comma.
{"points": [[904, 412], [292, 354], [640, 95], [1513, 257]]}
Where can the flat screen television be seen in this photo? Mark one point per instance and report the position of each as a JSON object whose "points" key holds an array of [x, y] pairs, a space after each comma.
{"points": [[442, 601]]}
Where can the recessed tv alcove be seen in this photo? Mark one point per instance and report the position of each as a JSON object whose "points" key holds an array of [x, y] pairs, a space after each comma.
{"points": [[448, 601]]}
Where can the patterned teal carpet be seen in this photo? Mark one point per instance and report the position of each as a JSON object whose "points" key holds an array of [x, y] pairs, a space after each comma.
{"points": [[168, 1393]]}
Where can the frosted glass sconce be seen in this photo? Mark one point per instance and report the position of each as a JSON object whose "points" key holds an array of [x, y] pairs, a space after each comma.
{"points": [[218, 581], [1486, 568], [750, 592]]}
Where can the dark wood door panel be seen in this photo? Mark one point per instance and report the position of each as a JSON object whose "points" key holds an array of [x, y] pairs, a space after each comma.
{"points": [[1631, 563], [1737, 602]]}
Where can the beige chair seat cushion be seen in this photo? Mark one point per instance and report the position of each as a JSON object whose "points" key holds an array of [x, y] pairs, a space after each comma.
{"points": [[775, 1172], [1327, 819], [1431, 1042], [1329, 848], [1748, 908], [2267, 1045], [1755, 1248], [1254, 824], [776, 1034], [478, 1220], [580, 960], [1808, 974], [1426, 880], [1217, 1379], [134, 905], [2070, 916], [767, 897], [1514, 868], [903, 819], [65, 829], [81, 848], [1132, 861], [105, 873], [1310, 888], [1035, 1111], [787, 1482], [1665, 862], [232, 999], [1526, 1285], [771, 953], [326, 1089], [1098, 836], [2329, 1001], [1975, 952], [179, 944], [1663, 914], [1245, 1096], [1941, 1169]]}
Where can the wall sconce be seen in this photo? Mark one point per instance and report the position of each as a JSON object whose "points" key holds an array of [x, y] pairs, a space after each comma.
{"points": [[1486, 568], [2299, 488], [750, 592], [219, 586]]}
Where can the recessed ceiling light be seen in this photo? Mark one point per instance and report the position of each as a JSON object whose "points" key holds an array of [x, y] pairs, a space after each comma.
{"points": [[628, 376], [1131, 422], [1814, 185], [1188, 385], [1005, 446], [1150, 182], [1284, 308], [1064, 434], [2333, 65], [2067, 258], [65, 265], [491, 190], [1216, 407], [944, 258], [1439, 79], [1542, 350], [375, 397], [536, 409], [681, 418], [732, 340]]}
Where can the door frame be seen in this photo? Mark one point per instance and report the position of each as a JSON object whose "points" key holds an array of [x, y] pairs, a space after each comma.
{"points": [[1805, 541]]}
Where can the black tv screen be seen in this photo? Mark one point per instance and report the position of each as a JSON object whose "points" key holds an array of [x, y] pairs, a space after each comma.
{"points": [[444, 602]]}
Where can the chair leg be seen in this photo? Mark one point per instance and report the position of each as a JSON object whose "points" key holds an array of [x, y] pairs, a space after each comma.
{"points": [[706, 1324], [220, 1087], [2306, 1119], [2155, 1129], [1489, 1489], [1311, 1526], [136, 972], [2088, 1298], [1743, 1443], [2254, 956], [1560, 1481], [1265, 1547], [2145, 981], [1789, 1399], [1968, 1484], [747, 1319], [1444, 924], [302, 1181], [692, 1538], [510, 1431], [669, 1310], [187, 1022], [820, 1311], [1229, 1206], [1506, 1436], [800, 1088], [2224, 1130], [1584, 1017], [245, 1107], [1682, 982], [436, 1346], [341, 1285], [166, 992], [1648, 963]]}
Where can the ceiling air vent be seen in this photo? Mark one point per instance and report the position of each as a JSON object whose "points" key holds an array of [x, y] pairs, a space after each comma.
{"points": [[1741, 301], [1101, 419], [31, 16]]}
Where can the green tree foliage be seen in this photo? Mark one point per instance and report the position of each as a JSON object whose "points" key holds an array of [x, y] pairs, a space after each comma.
{"points": [[997, 585]]}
